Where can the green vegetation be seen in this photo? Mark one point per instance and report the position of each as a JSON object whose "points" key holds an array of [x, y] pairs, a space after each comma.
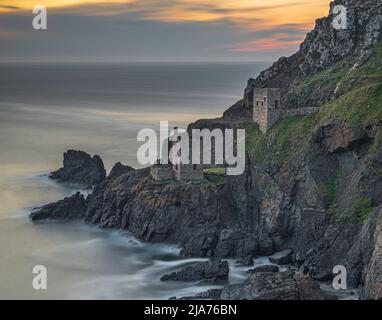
{"points": [[359, 211], [209, 182], [289, 137], [359, 105], [217, 171], [320, 84], [332, 189]]}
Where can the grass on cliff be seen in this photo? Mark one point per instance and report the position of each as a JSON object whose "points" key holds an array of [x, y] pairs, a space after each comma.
{"points": [[359, 211], [285, 140], [359, 105], [217, 171], [329, 190]]}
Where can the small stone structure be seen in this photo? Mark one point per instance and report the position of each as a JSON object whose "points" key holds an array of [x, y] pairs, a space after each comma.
{"points": [[180, 172], [188, 172], [161, 172], [268, 109]]}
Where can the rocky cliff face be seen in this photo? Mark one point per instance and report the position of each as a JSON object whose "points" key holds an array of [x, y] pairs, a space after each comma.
{"points": [[312, 184], [323, 47]]}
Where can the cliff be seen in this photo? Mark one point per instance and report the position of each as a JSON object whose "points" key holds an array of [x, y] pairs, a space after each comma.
{"points": [[312, 184]]}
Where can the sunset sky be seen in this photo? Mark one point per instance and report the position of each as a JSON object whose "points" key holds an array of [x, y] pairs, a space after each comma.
{"points": [[157, 30]]}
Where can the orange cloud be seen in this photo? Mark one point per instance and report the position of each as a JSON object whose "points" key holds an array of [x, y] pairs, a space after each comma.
{"points": [[5, 34], [275, 43], [248, 16], [280, 11]]}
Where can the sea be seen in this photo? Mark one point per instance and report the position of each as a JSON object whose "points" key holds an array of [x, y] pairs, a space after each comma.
{"points": [[46, 109]]}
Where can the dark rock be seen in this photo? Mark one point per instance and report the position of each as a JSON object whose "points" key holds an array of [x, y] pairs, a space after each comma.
{"points": [[265, 247], [309, 289], [266, 268], [274, 286], [283, 257], [212, 271], [80, 168], [233, 243], [268, 286], [239, 111], [213, 294], [118, 170], [246, 261], [70, 208], [373, 272]]}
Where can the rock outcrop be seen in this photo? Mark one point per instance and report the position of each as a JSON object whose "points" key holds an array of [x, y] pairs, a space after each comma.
{"points": [[119, 170], [323, 47], [265, 268], [80, 168], [283, 257], [67, 209], [212, 272], [269, 286]]}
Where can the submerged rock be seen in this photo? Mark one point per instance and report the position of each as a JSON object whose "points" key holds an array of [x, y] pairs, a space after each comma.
{"points": [[212, 271], [80, 168]]}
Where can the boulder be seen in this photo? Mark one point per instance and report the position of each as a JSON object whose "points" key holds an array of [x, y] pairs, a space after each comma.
{"points": [[266, 268], [212, 271], [246, 261], [274, 286], [283, 257]]}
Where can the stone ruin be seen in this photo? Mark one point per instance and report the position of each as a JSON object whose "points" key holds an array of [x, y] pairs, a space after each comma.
{"points": [[268, 108]]}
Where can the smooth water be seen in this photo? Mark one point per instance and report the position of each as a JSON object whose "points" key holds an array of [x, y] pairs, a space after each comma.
{"points": [[47, 109]]}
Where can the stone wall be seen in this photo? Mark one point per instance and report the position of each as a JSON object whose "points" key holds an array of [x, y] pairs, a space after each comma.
{"points": [[259, 108], [189, 172], [273, 106], [162, 172]]}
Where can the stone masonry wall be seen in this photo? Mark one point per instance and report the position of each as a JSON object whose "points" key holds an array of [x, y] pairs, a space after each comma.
{"points": [[160, 173], [189, 172]]}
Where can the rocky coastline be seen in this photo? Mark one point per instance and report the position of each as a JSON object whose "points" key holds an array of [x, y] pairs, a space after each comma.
{"points": [[311, 193]]}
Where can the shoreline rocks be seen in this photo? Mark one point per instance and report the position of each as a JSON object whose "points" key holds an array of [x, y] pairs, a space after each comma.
{"points": [[68, 209], [212, 272], [282, 258], [266, 268], [80, 168]]}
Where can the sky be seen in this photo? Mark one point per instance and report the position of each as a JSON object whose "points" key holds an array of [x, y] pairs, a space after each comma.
{"points": [[157, 30]]}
